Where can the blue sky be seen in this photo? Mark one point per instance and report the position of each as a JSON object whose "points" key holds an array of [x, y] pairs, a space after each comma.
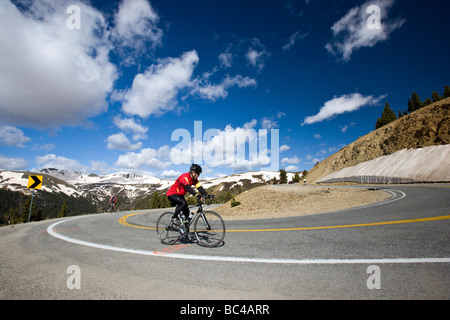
{"points": [[101, 86]]}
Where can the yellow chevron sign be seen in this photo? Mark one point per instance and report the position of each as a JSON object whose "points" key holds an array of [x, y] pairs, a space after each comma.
{"points": [[35, 182]]}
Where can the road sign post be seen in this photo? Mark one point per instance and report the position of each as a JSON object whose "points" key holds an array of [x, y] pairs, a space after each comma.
{"points": [[31, 205], [34, 182]]}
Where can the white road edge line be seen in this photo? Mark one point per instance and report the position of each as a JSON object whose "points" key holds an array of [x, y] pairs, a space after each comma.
{"points": [[240, 259]]}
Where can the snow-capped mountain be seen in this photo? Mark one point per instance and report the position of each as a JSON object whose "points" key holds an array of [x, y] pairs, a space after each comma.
{"points": [[99, 188], [78, 178], [129, 185], [18, 181]]}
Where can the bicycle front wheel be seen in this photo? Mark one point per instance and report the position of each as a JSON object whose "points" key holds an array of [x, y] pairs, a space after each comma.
{"points": [[209, 229], [167, 231]]}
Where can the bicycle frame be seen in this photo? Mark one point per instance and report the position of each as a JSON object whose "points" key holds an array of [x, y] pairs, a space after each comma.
{"points": [[199, 212]]}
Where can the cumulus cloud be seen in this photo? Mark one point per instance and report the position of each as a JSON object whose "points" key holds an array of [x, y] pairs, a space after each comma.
{"points": [[340, 105], [52, 75], [136, 29], [351, 32], [146, 158], [130, 125], [238, 148], [12, 136], [284, 147], [12, 163], [170, 174], [292, 160], [59, 162], [120, 141], [154, 92]]}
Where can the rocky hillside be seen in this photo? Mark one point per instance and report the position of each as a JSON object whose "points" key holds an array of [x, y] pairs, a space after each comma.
{"points": [[429, 126]]}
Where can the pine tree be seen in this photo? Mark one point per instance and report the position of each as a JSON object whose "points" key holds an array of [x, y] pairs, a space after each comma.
{"points": [[62, 213], [283, 176], [415, 103], [427, 102], [26, 210], [435, 96], [387, 117], [446, 92], [154, 201]]}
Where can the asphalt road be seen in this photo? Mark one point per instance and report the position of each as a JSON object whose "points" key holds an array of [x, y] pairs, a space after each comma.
{"points": [[398, 249]]}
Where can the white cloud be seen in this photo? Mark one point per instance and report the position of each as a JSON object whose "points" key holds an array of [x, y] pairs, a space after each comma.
{"points": [[340, 105], [292, 160], [12, 163], [291, 169], [284, 147], [226, 59], [58, 162], [51, 75], [154, 92], [99, 166], [12, 136], [346, 127], [293, 39], [136, 29], [352, 33], [235, 148], [146, 158], [212, 92], [268, 123], [257, 54], [120, 142], [170, 174], [130, 125]]}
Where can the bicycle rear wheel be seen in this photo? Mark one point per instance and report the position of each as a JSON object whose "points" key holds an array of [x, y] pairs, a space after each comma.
{"points": [[209, 229], [167, 231]]}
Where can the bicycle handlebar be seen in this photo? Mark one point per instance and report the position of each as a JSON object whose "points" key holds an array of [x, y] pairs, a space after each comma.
{"points": [[208, 197]]}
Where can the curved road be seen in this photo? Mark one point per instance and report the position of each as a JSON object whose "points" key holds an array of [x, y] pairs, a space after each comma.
{"points": [[398, 249]]}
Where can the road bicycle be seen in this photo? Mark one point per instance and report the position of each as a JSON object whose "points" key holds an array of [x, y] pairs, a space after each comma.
{"points": [[208, 226]]}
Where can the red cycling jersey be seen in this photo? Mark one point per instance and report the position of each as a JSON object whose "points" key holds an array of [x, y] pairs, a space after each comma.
{"points": [[182, 181]]}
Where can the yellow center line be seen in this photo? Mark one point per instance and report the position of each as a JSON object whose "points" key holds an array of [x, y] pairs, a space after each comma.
{"points": [[123, 221]]}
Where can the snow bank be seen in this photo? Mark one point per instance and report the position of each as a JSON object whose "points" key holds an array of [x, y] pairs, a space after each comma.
{"points": [[429, 164]]}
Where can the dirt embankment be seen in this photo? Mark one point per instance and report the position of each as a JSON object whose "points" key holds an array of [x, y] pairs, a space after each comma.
{"points": [[429, 126], [287, 201]]}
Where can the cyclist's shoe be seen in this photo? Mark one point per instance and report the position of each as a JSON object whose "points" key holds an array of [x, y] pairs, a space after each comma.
{"points": [[175, 221]]}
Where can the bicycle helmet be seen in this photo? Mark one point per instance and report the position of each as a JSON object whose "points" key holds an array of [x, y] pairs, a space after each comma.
{"points": [[196, 168]]}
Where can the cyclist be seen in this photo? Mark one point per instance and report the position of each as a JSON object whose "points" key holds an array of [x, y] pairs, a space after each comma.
{"points": [[182, 185], [113, 202]]}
